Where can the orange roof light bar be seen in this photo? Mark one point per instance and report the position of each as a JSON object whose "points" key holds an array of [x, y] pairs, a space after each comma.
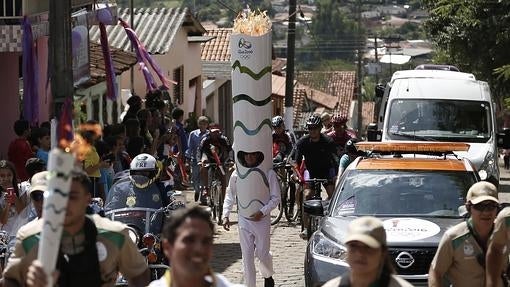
{"points": [[412, 147]]}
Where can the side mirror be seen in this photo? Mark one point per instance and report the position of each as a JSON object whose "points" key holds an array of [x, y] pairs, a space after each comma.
{"points": [[379, 90], [314, 207], [372, 133], [503, 139]]}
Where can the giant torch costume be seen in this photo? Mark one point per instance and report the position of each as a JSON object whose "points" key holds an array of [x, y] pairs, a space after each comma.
{"points": [[256, 186]]}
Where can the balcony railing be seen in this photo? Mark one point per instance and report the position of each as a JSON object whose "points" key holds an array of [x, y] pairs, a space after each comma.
{"points": [[16, 9]]}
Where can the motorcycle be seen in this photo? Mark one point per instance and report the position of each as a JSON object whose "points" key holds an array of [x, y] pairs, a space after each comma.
{"points": [[143, 212]]}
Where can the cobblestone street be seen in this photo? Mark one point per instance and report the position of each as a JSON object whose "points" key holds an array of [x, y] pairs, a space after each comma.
{"points": [[287, 247]]}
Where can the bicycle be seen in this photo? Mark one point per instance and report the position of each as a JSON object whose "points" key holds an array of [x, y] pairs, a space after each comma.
{"points": [[313, 222], [288, 205], [215, 197]]}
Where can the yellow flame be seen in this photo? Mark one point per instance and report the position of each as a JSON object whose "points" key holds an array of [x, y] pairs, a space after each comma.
{"points": [[252, 23], [79, 146]]}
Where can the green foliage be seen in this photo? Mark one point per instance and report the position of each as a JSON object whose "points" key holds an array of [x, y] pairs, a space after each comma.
{"points": [[473, 35], [336, 31]]}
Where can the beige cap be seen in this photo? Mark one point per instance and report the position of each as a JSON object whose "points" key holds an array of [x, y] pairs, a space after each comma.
{"points": [[368, 230], [39, 182], [482, 191]]}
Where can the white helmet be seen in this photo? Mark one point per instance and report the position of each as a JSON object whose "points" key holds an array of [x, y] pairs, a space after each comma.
{"points": [[144, 170], [143, 161]]}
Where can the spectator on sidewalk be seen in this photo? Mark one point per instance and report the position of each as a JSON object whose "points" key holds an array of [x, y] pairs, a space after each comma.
{"points": [[19, 149], [194, 140]]}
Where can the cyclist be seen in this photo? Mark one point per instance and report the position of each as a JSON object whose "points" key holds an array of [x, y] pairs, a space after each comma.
{"points": [[319, 152], [340, 134], [282, 143], [351, 153], [327, 124], [214, 148]]}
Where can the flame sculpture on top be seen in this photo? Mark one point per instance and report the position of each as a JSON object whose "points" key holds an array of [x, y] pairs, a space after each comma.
{"points": [[250, 47]]}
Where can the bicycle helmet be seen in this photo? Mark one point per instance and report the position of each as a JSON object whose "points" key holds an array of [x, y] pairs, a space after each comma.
{"points": [[338, 119], [144, 170], [350, 146], [314, 121], [277, 121]]}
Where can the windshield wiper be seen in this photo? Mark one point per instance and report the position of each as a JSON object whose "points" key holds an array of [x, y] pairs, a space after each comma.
{"points": [[413, 136]]}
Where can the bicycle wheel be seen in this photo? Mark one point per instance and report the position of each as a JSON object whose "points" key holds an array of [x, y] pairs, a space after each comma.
{"points": [[313, 224], [276, 214], [219, 204], [211, 199], [291, 205]]}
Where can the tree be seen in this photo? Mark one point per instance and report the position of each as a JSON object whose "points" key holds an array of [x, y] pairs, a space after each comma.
{"points": [[335, 30], [473, 35]]}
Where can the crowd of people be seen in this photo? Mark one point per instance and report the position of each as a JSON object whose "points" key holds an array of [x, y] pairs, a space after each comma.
{"points": [[152, 135]]}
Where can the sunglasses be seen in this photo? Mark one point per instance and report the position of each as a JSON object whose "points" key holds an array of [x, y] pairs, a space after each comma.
{"points": [[485, 206], [37, 196], [310, 128]]}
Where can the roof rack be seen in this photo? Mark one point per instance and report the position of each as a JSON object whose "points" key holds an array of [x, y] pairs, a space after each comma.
{"points": [[406, 147]]}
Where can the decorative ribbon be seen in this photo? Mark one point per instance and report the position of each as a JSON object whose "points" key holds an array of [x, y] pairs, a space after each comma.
{"points": [[143, 57], [111, 84], [30, 75]]}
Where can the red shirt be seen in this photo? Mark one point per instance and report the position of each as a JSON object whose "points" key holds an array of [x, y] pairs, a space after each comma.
{"points": [[19, 152]]}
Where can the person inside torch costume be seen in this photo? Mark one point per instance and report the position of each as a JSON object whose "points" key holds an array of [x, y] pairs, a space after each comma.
{"points": [[254, 231]]}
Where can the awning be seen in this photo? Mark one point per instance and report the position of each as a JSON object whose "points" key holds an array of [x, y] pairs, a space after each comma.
{"points": [[395, 59]]}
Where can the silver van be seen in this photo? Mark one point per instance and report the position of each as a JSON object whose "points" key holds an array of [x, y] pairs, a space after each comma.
{"points": [[441, 105]]}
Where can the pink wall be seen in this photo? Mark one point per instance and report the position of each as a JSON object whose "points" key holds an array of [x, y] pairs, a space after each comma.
{"points": [[9, 98], [44, 96]]}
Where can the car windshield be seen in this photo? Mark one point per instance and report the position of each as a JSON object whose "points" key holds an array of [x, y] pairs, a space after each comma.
{"points": [[442, 120], [401, 193]]}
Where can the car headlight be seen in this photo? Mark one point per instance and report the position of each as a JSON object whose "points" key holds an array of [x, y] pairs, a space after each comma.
{"points": [[323, 246], [488, 164]]}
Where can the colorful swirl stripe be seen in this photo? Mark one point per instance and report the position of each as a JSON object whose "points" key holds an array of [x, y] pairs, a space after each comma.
{"points": [[244, 97], [246, 70], [255, 131], [255, 169], [250, 203]]}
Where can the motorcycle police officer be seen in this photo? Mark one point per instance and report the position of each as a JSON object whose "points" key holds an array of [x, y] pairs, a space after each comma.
{"points": [[141, 188]]}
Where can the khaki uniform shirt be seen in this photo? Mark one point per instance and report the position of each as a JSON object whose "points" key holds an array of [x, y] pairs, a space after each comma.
{"points": [[116, 252], [395, 281], [458, 256], [501, 233]]}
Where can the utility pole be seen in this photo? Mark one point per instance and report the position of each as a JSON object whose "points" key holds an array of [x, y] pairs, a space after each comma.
{"points": [[359, 72], [376, 62], [132, 24], [289, 77], [61, 60]]}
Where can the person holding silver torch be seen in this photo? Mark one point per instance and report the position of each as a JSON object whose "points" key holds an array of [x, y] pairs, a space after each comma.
{"points": [[66, 247]]}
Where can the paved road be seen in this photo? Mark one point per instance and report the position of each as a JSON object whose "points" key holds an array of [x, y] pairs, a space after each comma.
{"points": [[287, 248]]}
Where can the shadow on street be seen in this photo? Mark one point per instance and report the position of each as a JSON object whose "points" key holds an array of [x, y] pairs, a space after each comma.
{"points": [[224, 255]]}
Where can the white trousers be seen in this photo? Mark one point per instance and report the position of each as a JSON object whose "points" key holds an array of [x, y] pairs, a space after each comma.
{"points": [[254, 238]]}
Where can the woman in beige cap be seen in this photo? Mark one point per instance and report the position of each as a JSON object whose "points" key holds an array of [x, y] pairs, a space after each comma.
{"points": [[367, 255]]}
